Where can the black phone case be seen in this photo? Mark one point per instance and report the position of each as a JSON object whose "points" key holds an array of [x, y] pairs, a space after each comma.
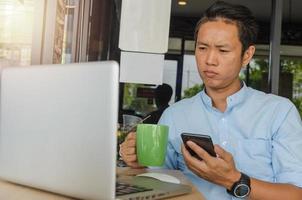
{"points": [[204, 141]]}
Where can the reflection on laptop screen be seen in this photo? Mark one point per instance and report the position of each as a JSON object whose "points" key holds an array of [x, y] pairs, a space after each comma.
{"points": [[58, 128]]}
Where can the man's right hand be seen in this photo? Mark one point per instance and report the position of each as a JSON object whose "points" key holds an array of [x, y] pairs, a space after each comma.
{"points": [[128, 151]]}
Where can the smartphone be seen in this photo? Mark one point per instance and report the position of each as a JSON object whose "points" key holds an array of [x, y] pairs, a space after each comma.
{"points": [[204, 141]]}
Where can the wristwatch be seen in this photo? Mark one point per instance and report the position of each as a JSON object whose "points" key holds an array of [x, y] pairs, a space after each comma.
{"points": [[242, 187]]}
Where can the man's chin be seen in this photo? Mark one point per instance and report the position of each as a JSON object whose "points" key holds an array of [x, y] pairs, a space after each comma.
{"points": [[214, 85]]}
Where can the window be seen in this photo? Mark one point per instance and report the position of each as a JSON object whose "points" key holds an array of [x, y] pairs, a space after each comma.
{"points": [[135, 103], [291, 80], [16, 29]]}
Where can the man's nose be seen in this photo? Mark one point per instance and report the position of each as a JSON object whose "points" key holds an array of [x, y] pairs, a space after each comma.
{"points": [[211, 57]]}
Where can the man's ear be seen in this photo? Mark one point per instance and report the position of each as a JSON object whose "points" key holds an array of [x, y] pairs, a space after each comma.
{"points": [[248, 55]]}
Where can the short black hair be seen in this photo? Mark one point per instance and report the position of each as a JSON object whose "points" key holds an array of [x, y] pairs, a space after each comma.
{"points": [[163, 94], [238, 14]]}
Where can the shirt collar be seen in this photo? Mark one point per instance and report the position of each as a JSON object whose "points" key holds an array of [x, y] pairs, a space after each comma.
{"points": [[232, 100]]}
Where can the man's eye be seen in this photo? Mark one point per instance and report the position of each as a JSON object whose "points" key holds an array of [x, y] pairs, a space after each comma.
{"points": [[201, 48], [224, 50]]}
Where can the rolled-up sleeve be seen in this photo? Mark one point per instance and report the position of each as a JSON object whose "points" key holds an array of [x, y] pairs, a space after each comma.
{"points": [[287, 149]]}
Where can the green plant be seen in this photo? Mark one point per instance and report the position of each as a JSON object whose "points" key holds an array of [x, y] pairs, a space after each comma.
{"points": [[257, 68], [298, 104], [140, 105], [190, 92]]}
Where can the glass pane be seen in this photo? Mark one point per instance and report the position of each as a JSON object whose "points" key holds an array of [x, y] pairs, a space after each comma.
{"points": [[291, 80], [64, 31], [174, 45], [138, 99], [169, 76], [16, 28], [191, 81], [190, 46], [257, 77]]}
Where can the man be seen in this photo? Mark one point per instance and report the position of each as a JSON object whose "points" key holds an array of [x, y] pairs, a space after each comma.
{"points": [[258, 136], [163, 94]]}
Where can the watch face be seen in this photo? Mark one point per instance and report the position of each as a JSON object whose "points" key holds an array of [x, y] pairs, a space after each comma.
{"points": [[242, 190]]}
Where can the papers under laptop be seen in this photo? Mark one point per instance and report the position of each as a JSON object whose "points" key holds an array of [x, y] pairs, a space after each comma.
{"points": [[58, 131]]}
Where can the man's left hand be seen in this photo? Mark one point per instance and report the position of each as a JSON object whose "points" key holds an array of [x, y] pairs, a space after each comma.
{"points": [[220, 170]]}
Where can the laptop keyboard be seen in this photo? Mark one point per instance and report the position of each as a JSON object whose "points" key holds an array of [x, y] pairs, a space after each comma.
{"points": [[124, 188]]}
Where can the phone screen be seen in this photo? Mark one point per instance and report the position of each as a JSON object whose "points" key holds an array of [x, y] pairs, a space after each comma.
{"points": [[204, 141]]}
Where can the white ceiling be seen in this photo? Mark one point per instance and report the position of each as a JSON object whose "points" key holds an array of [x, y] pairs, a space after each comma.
{"points": [[260, 8]]}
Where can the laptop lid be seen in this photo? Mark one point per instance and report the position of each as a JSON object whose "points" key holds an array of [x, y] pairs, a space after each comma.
{"points": [[58, 128]]}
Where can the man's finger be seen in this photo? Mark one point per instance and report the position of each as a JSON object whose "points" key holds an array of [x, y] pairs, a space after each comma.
{"points": [[184, 151], [130, 158], [223, 154], [126, 149], [190, 160], [130, 143], [192, 163], [131, 136], [199, 151], [129, 151]]}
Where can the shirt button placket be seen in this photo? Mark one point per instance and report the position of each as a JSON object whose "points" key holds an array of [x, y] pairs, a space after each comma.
{"points": [[223, 133]]}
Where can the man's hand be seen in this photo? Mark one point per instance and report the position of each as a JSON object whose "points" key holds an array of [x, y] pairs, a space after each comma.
{"points": [[220, 170], [128, 151]]}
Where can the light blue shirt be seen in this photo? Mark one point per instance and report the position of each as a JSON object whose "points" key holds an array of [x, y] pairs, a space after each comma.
{"points": [[262, 131]]}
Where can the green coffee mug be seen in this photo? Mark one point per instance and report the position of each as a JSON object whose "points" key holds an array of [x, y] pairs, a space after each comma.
{"points": [[151, 144]]}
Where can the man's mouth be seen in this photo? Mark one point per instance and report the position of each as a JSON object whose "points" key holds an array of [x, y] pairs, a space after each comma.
{"points": [[210, 74]]}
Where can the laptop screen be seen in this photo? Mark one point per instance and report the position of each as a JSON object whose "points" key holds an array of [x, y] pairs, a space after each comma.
{"points": [[58, 128]]}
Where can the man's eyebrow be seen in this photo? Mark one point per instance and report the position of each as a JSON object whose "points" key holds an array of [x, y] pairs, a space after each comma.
{"points": [[218, 46], [222, 46], [201, 43]]}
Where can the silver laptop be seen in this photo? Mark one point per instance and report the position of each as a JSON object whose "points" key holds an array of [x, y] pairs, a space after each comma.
{"points": [[58, 130]]}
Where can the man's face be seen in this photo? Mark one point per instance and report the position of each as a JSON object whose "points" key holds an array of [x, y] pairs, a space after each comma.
{"points": [[219, 54]]}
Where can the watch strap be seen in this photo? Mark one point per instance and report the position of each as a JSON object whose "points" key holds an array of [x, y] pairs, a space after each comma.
{"points": [[244, 179]]}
